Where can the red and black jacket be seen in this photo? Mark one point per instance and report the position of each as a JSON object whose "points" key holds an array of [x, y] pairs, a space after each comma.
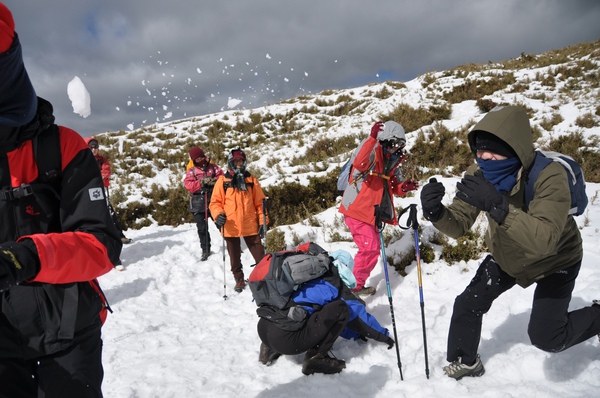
{"points": [[75, 238]]}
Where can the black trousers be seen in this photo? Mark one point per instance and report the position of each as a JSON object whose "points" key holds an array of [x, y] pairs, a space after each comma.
{"points": [[321, 330], [73, 373], [202, 226], [551, 327]]}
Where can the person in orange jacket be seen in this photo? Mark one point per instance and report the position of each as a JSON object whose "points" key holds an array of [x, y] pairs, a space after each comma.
{"points": [[105, 170], [375, 178], [56, 239], [237, 200]]}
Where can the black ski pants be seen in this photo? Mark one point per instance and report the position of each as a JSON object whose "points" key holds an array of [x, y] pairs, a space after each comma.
{"points": [[202, 226], [73, 373], [551, 327], [321, 330]]}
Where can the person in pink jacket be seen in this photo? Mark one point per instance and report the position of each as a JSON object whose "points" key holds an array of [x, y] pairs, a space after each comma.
{"points": [[199, 181], [375, 178]]}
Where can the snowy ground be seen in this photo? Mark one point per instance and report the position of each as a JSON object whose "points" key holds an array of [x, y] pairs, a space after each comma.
{"points": [[172, 333]]}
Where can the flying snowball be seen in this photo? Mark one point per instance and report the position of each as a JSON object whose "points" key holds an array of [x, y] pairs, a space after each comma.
{"points": [[233, 102], [79, 96]]}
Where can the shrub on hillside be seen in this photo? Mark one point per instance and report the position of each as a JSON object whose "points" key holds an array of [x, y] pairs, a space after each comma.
{"points": [[413, 119], [442, 151], [290, 203], [584, 151]]}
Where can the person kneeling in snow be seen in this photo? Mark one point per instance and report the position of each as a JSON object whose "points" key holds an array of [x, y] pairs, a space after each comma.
{"points": [[341, 314]]}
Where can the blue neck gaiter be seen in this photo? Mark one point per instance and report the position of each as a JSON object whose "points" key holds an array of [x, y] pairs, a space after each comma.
{"points": [[501, 173]]}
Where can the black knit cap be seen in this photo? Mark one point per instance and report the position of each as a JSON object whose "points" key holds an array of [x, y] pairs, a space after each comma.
{"points": [[485, 141]]}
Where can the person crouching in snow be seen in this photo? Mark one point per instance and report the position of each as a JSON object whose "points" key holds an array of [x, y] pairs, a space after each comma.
{"points": [[200, 180], [375, 179], [333, 311], [237, 200]]}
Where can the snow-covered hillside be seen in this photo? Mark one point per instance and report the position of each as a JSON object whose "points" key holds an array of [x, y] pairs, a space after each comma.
{"points": [[172, 333]]}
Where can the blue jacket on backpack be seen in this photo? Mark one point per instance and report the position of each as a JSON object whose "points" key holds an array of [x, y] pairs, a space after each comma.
{"points": [[321, 292]]}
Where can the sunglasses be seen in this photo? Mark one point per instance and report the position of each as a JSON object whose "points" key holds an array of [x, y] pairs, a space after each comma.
{"points": [[393, 144], [93, 146]]}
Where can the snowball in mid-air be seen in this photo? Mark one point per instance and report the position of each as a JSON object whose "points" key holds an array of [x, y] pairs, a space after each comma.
{"points": [[79, 96], [233, 102]]}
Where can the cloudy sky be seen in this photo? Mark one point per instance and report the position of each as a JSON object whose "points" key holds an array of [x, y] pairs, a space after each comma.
{"points": [[144, 61]]}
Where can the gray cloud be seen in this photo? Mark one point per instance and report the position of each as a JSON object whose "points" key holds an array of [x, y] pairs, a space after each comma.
{"points": [[144, 56]]}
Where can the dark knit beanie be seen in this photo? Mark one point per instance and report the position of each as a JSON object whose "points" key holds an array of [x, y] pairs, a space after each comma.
{"points": [[237, 155], [485, 141], [18, 101], [196, 153]]}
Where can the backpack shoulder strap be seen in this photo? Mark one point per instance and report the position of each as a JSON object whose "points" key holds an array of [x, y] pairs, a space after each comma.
{"points": [[50, 164], [539, 163]]}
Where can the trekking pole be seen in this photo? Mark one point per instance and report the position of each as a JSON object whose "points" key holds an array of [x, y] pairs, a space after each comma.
{"points": [[207, 236], [412, 222], [265, 204], [379, 226], [223, 249]]}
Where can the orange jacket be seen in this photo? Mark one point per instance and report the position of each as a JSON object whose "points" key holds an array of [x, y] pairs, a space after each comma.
{"points": [[243, 209], [360, 198]]}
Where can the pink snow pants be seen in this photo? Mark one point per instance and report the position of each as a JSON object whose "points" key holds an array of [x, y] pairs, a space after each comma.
{"points": [[366, 238]]}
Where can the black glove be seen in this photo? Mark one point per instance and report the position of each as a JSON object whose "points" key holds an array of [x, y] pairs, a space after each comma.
{"points": [[479, 192], [390, 342], [431, 200], [261, 231], [220, 221], [18, 262]]}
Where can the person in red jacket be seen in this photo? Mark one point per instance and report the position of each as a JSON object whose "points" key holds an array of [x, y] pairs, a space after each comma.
{"points": [[56, 239], [375, 179], [199, 181], [105, 171]]}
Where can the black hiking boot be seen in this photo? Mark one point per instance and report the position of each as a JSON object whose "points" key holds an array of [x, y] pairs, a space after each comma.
{"points": [[457, 370], [267, 356], [322, 363], [205, 255]]}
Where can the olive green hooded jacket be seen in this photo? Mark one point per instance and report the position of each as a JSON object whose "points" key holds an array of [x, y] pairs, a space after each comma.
{"points": [[530, 243]]}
